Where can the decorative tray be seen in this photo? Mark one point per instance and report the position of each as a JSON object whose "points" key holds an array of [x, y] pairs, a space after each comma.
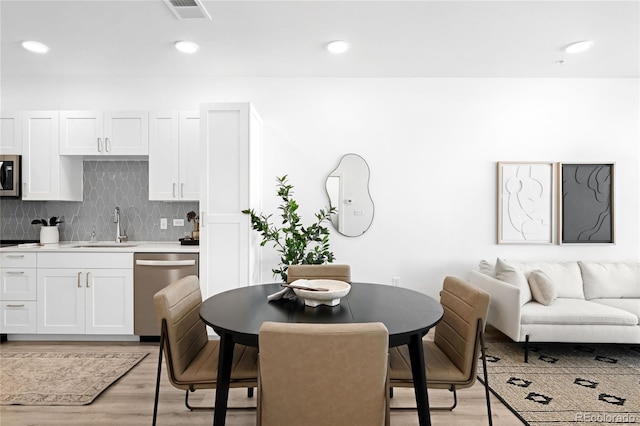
{"points": [[189, 242]]}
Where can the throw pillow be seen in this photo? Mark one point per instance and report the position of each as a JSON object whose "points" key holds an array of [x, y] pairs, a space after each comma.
{"points": [[542, 288], [509, 273], [486, 268]]}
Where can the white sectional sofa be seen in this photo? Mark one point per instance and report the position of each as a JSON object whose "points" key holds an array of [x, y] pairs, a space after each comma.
{"points": [[593, 303]]}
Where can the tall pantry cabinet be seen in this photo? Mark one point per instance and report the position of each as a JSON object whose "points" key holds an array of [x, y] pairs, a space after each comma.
{"points": [[230, 181]]}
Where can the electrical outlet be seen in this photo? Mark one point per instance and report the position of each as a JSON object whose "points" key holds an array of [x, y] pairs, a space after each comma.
{"points": [[163, 223], [395, 281], [178, 222]]}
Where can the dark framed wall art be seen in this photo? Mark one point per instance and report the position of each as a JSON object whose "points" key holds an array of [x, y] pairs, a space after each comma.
{"points": [[586, 204]]}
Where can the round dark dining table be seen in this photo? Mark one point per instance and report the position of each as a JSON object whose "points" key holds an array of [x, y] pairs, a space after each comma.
{"points": [[236, 316]]}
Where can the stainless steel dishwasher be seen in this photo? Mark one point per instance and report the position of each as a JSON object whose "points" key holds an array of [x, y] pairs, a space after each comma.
{"points": [[151, 273]]}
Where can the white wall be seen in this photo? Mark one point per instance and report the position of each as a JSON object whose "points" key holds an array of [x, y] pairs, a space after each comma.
{"points": [[431, 144]]}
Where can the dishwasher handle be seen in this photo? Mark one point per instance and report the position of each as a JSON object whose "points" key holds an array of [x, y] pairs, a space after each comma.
{"points": [[189, 262]]}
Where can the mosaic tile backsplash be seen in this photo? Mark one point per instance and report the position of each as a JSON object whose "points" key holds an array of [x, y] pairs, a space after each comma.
{"points": [[107, 184]]}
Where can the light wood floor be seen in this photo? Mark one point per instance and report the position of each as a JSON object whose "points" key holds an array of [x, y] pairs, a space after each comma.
{"points": [[130, 401]]}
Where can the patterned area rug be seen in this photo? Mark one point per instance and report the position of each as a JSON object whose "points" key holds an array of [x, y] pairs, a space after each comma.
{"points": [[60, 378], [567, 384]]}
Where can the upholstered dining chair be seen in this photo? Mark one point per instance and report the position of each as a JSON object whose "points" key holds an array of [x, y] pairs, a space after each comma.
{"points": [[323, 374], [319, 272], [191, 358], [451, 359]]}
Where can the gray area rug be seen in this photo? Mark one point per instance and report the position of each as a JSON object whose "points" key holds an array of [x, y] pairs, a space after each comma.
{"points": [[60, 378], [567, 384]]}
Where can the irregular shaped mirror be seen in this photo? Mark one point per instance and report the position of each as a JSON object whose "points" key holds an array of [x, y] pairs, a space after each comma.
{"points": [[348, 190]]}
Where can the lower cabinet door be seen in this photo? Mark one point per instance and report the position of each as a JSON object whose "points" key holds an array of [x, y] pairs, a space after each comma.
{"points": [[18, 317], [109, 301], [61, 301]]}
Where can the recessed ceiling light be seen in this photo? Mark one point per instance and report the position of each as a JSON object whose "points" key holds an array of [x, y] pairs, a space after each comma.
{"points": [[186, 46], [338, 46], [579, 46], [34, 46]]}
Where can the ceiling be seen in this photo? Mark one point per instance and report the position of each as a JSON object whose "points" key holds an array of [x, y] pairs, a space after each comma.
{"points": [[402, 39]]}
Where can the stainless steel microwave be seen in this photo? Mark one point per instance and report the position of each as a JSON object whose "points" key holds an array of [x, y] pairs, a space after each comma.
{"points": [[10, 176]]}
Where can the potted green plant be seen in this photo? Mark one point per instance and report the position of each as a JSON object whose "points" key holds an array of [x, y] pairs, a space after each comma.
{"points": [[295, 243], [49, 232]]}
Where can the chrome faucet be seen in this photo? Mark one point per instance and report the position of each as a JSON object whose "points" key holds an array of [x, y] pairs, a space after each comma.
{"points": [[119, 238]]}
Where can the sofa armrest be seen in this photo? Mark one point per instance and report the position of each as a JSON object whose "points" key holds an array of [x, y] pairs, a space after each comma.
{"points": [[504, 309]]}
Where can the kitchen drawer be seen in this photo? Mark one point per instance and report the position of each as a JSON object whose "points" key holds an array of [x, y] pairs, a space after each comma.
{"points": [[18, 260], [18, 284], [86, 260], [18, 317]]}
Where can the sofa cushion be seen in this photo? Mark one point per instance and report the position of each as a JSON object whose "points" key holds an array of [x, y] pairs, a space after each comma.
{"points": [[576, 311], [542, 287], [610, 280], [566, 276], [629, 305], [513, 275]]}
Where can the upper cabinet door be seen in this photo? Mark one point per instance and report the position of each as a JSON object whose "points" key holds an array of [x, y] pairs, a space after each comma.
{"points": [[11, 133], [163, 156], [81, 133], [189, 156], [126, 133], [40, 162], [104, 133]]}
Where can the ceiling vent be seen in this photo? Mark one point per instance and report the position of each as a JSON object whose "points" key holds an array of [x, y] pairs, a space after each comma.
{"points": [[188, 9]]}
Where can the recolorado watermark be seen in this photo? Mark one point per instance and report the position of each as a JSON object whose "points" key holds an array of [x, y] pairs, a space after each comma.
{"points": [[587, 417]]}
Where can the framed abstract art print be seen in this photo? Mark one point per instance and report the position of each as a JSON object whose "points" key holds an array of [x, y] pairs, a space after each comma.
{"points": [[525, 202], [586, 206]]}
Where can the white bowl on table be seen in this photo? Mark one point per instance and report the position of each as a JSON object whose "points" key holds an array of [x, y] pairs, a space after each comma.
{"points": [[336, 290]]}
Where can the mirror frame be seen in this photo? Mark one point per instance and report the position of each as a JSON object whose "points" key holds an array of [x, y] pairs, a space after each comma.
{"points": [[334, 219]]}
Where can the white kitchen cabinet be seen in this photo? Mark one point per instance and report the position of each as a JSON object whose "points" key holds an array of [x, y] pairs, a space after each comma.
{"points": [[47, 176], [174, 163], [85, 293], [230, 164], [11, 133], [18, 293], [97, 133]]}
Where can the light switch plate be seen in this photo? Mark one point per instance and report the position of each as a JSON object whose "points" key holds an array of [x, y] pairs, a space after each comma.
{"points": [[163, 223], [178, 222]]}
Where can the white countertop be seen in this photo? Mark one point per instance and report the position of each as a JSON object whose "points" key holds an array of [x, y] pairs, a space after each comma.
{"points": [[106, 246]]}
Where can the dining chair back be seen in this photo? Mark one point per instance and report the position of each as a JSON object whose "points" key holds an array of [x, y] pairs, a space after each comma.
{"points": [[451, 358], [323, 374], [191, 358], [319, 272]]}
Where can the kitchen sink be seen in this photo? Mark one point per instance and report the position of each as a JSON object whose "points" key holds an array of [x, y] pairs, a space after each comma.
{"points": [[107, 245]]}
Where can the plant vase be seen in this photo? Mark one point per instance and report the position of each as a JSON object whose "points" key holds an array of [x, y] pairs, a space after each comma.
{"points": [[49, 234]]}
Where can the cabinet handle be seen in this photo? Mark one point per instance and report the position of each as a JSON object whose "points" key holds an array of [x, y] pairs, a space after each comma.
{"points": [[99, 144], [79, 285], [174, 190], [15, 306], [107, 144], [202, 219], [182, 190], [24, 189], [88, 280], [15, 272], [17, 256]]}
